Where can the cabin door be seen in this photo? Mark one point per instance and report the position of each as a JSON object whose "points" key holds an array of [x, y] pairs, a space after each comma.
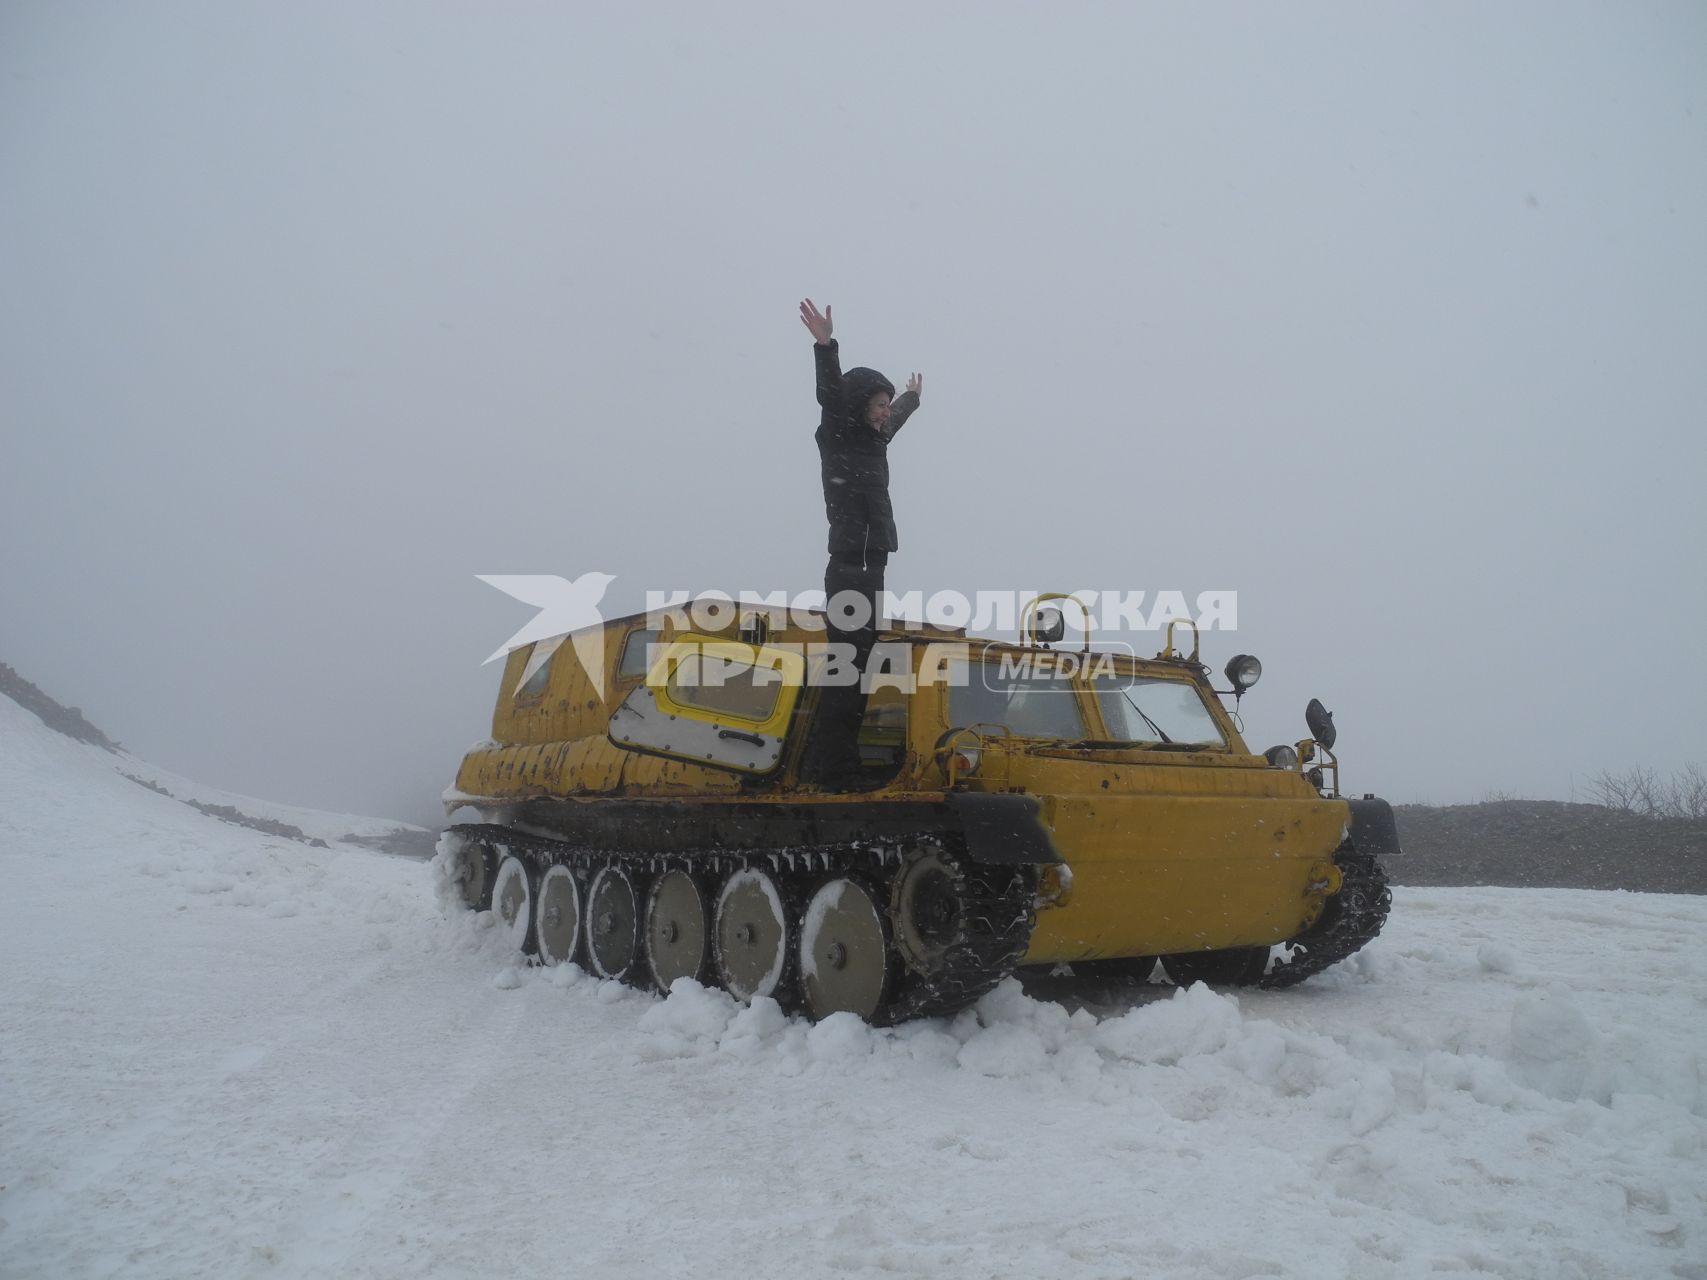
{"points": [[720, 703]]}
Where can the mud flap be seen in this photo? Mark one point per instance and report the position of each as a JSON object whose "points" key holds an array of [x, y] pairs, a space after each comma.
{"points": [[1003, 829]]}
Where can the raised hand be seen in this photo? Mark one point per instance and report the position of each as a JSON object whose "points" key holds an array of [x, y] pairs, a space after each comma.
{"points": [[916, 384], [818, 322]]}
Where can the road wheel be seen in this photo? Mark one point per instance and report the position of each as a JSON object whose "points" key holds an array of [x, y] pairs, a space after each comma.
{"points": [[847, 962], [678, 927], [753, 944], [557, 917], [1236, 967], [474, 866], [512, 902], [925, 906], [613, 923]]}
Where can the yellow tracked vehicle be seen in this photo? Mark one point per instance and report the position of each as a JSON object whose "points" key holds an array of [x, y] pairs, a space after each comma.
{"points": [[642, 813]]}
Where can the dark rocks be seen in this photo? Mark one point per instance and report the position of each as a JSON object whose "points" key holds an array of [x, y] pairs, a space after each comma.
{"points": [[1549, 844], [55, 715]]}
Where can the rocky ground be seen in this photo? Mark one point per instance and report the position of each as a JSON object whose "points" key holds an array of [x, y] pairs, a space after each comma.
{"points": [[1549, 844]]}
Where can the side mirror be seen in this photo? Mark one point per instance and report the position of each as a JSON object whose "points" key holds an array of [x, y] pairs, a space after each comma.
{"points": [[1321, 722]]}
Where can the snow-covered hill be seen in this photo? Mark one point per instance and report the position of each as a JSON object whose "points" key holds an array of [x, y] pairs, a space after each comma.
{"points": [[33, 710], [225, 1053]]}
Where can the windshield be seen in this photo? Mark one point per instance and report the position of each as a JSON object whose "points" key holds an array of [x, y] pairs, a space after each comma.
{"points": [[1139, 710], [1030, 705]]}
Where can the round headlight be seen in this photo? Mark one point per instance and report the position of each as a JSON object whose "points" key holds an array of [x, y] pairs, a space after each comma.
{"points": [[1244, 671], [1282, 757]]}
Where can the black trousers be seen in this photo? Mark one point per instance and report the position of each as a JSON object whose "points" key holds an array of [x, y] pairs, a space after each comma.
{"points": [[832, 749]]}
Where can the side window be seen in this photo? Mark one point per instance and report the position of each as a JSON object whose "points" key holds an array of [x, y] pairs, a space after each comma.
{"points": [[536, 673], [725, 688], [883, 732], [635, 652]]}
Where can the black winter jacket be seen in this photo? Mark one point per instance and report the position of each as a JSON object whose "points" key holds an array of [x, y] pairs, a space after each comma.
{"points": [[853, 457]]}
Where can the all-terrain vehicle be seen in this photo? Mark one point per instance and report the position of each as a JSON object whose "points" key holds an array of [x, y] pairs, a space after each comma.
{"points": [[643, 814]]}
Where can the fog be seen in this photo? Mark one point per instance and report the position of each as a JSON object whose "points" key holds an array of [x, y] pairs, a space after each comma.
{"points": [[1390, 319]]}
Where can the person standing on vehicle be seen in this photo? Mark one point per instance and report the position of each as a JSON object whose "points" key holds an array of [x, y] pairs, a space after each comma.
{"points": [[860, 415]]}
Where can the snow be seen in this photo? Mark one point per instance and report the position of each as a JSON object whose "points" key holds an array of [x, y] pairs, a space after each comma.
{"points": [[225, 1053]]}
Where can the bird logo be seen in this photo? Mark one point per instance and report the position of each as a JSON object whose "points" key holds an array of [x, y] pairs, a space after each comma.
{"points": [[567, 610]]}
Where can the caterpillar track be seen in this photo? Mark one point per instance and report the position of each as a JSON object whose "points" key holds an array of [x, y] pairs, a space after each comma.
{"points": [[950, 928], [1349, 921]]}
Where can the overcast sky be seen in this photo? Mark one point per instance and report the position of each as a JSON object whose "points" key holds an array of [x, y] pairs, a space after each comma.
{"points": [[1392, 319]]}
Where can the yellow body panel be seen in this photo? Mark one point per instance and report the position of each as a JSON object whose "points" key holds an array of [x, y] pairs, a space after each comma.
{"points": [[655, 774], [1166, 857], [1155, 874], [580, 767]]}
